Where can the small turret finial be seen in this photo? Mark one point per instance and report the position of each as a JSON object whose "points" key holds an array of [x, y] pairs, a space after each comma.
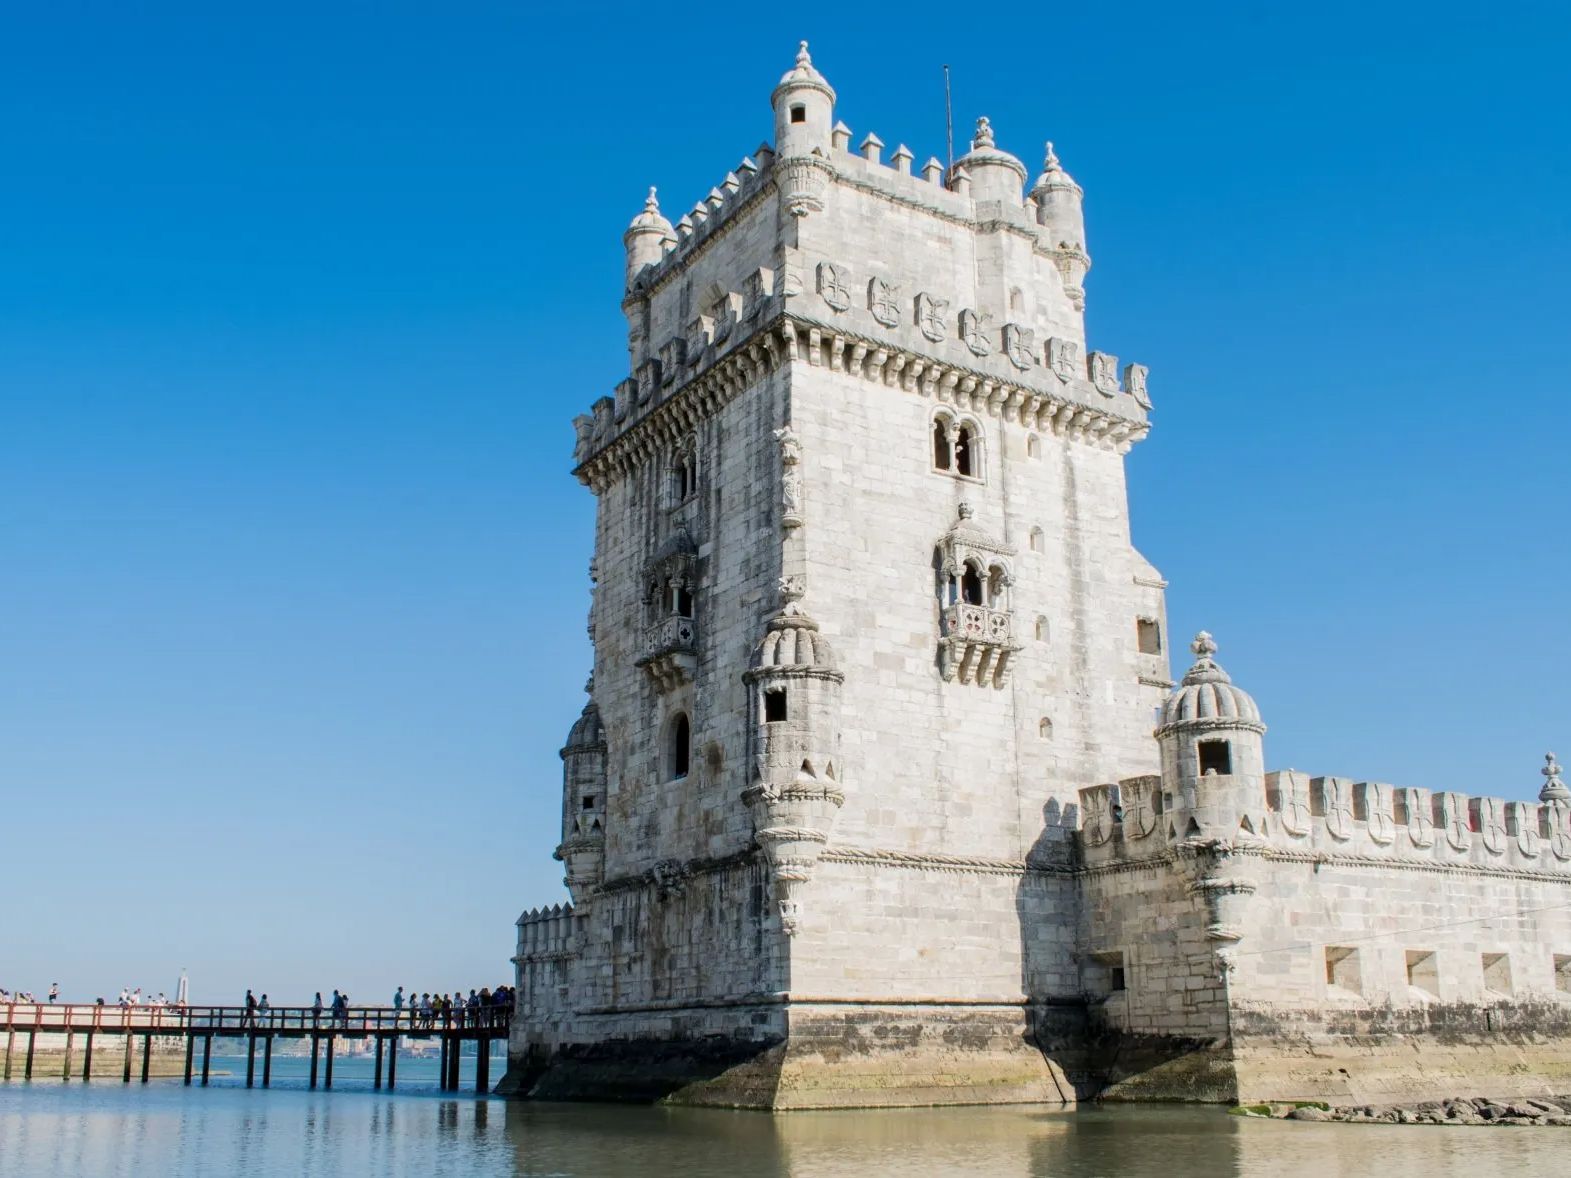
{"points": [[651, 205], [984, 133], [1554, 788], [802, 56], [1204, 645], [1050, 161]]}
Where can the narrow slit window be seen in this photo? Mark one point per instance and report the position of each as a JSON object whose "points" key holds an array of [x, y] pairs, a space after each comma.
{"points": [[681, 747], [774, 705], [941, 455], [965, 447], [971, 586], [684, 602]]}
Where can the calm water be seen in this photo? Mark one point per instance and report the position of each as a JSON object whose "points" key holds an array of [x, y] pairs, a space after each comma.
{"points": [[49, 1128]]}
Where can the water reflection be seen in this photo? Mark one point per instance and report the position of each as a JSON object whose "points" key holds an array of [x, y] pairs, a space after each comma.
{"points": [[106, 1130]]}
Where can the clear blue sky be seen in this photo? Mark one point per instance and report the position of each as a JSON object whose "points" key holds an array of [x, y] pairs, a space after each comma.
{"points": [[296, 303]]}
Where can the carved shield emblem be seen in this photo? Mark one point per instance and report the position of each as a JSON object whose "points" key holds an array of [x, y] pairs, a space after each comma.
{"points": [[1525, 815], [932, 316], [1339, 808], [1295, 805], [1140, 810], [883, 300], [1420, 819], [1097, 807], [1104, 373], [832, 286], [973, 330], [1019, 345], [1135, 384], [1063, 357], [1382, 827], [1453, 811], [1492, 825], [1555, 814]]}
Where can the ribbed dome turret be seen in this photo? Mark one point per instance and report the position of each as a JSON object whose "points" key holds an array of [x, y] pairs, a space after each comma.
{"points": [[793, 640], [646, 237], [1053, 177], [1207, 695], [587, 731], [995, 174], [803, 76]]}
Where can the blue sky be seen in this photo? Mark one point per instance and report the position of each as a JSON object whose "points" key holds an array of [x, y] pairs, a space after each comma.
{"points": [[296, 304]]}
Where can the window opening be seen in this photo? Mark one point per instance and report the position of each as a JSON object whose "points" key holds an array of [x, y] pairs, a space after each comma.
{"points": [[1149, 634], [1041, 629], [1038, 542], [799, 114], [774, 705], [1033, 447], [971, 586], [681, 747], [1216, 756], [941, 455], [1342, 969], [1497, 973], [995, 587], [1423, 973], [1044, 728], [1563, 973], [684, 602], [589, 801]]}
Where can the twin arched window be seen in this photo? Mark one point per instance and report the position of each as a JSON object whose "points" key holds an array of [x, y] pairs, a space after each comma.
{"points": [[684, 473], [957, 447], [974, 586]]}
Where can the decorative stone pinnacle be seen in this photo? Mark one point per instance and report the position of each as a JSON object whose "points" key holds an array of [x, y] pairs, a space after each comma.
{"points": [[802, 57], [984, 133], [651, 205], [966, 510], [1204, 645], [1050, 161], [1554, 788]]}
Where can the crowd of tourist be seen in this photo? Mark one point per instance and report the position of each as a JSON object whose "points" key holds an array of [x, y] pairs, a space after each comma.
{"points": [[484, 1007]]}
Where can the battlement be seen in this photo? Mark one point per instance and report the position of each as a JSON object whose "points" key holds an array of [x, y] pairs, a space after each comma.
{"points": [[1330, 818], [545, 933]]}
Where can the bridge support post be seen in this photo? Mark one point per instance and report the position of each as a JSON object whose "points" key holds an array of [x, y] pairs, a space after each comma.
{"points": [[130, 1047], [250, 1060], [455, 1058], [87, 1058], [482, 1066], [267, 1062], [441, 1067], [316, 1042], [392, 1061], [70, 1050], [27, 1066], [147, 1051], [207, 1057], [376, 1083], [328, 1082], [10, 1047], [190, 1050]]}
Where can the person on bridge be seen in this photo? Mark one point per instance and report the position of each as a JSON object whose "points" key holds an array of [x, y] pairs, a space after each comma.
{"points": [[54, 991], [263, 1007], [398, 1004], [249, 1018], [316, 1009]]}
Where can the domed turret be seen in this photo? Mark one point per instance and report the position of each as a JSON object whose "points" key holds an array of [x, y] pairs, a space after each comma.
{"points": [[583, 803], [804, 105], [646, 238], [795, 791], [1213, 758], [995, 174], [1060, 211]]}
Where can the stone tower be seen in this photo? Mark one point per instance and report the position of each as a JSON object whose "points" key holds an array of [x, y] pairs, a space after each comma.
{"points": [[866, 619]]}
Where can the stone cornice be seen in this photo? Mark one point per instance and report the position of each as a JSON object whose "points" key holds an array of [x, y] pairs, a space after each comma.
{"points": [[1319, 859], [790, 338]]}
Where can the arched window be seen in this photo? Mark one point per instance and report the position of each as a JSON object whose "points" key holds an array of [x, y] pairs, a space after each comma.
{"points": [[965, 452], [1038, 542], [997, 582], [1041, 628], [684, 601], [942, 459], [681, 741], [1033, 447], [971, 585], [1044, 728]]}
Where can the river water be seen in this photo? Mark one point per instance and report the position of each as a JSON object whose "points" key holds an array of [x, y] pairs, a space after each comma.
{"points": [[165, 1129]]}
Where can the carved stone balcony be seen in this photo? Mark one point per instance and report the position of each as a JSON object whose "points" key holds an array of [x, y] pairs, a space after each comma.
{"points": [[670, 652], [976, 645]]}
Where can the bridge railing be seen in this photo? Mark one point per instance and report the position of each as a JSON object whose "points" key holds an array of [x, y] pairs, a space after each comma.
{"points": [[239, 1020]]}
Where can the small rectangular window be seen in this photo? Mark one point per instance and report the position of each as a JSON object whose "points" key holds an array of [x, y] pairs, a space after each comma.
{"points": [[1149, 633], [1104, 974], [1216, 756], [799, 114], [1423, 971], [1497, 973], [1342, 969], [1563, 973], [1116, 979], [589, 801], [774, 705]]}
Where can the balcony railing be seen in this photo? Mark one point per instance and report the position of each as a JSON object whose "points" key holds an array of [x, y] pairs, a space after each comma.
{"points": [[977, 623]]}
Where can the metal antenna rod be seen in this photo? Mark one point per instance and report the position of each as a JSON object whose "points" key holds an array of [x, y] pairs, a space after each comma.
{"points": [[949, 125]]}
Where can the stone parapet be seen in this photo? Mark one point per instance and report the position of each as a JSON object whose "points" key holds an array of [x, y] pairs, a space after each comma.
{"points": [[546, 934], [1336, 817]]}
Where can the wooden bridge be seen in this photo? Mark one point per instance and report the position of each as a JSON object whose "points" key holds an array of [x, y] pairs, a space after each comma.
{"points": [[194, 1024]]}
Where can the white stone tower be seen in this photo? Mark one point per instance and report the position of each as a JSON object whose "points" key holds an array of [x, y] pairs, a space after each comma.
{"points": [[861, 418]]}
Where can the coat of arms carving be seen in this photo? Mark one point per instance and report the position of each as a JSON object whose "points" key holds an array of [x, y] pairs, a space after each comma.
{"points": [[832, 286], [973, 330], [1020, 345], [883, 300], [932, 316]]}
